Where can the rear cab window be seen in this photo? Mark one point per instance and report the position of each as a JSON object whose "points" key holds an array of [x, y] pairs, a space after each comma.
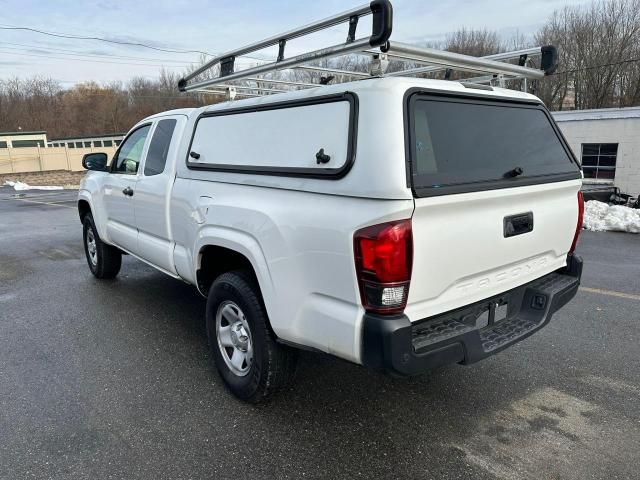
{"points": [[156, 160], [462, 144]]}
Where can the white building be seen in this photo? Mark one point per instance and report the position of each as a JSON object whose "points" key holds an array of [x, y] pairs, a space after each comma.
{"points": [[112, 140], [22, 139], [607, 143]]}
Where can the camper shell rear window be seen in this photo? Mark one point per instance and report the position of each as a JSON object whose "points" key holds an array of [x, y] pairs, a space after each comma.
{"points": [[463, 144]]}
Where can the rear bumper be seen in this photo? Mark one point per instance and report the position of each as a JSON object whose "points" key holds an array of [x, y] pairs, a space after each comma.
{"points": [[398, 346]]}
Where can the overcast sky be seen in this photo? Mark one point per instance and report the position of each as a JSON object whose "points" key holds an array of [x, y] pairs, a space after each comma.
{"points": [[214, 26]]}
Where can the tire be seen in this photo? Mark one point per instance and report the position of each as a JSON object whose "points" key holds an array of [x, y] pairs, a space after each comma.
{"points": [[104, 260], [235, 306]]}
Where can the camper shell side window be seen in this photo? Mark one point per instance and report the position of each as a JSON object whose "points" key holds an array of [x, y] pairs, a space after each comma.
{"points": [[314, 137]]}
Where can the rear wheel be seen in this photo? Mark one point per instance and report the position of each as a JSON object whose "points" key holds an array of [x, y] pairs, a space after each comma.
{"points": [[104, 260], [251, 363]]}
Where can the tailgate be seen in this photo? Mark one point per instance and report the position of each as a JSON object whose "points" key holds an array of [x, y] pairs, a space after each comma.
{"points": [[461, 253], [495, 189]]}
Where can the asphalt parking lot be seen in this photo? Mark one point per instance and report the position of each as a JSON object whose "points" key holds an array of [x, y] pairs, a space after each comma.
{"points": [[112, 380]]}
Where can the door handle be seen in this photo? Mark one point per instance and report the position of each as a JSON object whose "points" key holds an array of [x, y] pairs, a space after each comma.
{"points": [[128, 191], [517, 224]]}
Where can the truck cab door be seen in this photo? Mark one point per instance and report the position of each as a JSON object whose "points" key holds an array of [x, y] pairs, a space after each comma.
{"points": [[153, 192], [119, 190]]}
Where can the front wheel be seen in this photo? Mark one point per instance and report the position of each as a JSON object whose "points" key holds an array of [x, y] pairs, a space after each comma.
{"points": [[251, 363], [104, 260]]}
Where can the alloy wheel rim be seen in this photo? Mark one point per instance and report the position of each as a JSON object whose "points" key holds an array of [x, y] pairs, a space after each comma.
{"points": [[92, 248], [234, 338]]}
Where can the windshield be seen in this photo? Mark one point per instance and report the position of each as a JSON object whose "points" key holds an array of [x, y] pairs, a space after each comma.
{"points": [[462, 141]]}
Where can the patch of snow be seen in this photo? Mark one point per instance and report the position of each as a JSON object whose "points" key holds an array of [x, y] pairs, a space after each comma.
{"points": [[600, 217], [20, 186]]}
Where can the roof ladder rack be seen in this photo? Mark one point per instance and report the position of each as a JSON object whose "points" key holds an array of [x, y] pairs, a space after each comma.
{"points": [[491, 68]]}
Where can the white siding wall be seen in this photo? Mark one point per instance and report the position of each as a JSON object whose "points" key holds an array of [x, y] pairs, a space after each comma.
{"points": [[12, 138], [623, 131]]}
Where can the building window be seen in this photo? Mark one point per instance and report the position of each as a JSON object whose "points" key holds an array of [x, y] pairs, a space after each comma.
{"points": [[97, 143], [70, 145], [27, 143], [78, 144], [108, 143], [117, 142], [87, 144], [3, 144], [599, 160]]}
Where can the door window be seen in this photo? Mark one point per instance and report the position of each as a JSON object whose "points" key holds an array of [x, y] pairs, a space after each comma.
{"points": [[130, 153], [159, 147]]}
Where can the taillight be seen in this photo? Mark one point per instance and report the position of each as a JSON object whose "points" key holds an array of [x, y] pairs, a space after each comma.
{"points": [[579, 225], [384, 255]]}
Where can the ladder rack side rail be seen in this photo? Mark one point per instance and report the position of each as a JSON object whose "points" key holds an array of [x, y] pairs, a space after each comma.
{"points": [[496, 56], [381, 10], [282, 82], [335, 50], [275, 39], [460, 62], [249, 88], [225, 92], [333, 70]]}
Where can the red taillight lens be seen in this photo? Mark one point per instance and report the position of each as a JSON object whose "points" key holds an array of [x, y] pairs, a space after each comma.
{"points": [[580, 219], [384, 255]]}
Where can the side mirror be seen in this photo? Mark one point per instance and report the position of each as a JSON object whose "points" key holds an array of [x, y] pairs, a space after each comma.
{"points": [[95, 161]]}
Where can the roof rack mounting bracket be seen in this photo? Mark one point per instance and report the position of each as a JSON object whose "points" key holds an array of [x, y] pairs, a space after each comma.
{"points": [[549, 59], [522, 59], [281, 44], [379, 65], [353, 24], [226, 65]]}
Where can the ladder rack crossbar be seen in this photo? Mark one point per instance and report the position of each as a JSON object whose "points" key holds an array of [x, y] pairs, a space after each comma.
{"points": [[532, 52], [225, 91], [458, 61], [282, 82], [333, 70]]}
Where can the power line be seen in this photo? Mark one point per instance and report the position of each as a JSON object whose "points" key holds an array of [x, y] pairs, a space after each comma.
{"points": [[53, 57], [99, 39], [116, 42], [76, 52], [621, 62]]}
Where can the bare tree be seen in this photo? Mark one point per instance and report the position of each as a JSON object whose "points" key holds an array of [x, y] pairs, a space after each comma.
{"points": [[599, 49]]}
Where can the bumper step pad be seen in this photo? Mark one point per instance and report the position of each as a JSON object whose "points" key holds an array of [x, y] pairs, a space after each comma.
{"points": [[466, 335], [523, 316]]}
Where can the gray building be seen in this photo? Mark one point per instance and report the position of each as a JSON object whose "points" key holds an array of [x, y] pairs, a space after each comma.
{"points": [[607, 143]]}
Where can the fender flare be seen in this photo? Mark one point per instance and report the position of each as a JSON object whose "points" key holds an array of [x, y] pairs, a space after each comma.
{"points": [[244, 244], [84, 194]]}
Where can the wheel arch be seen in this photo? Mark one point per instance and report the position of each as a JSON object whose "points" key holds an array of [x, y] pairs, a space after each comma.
{"points": [[83, 208], [222, 250]]}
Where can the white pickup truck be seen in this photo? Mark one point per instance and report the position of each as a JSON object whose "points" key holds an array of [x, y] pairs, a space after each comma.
{"points": [[397, 223]]}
